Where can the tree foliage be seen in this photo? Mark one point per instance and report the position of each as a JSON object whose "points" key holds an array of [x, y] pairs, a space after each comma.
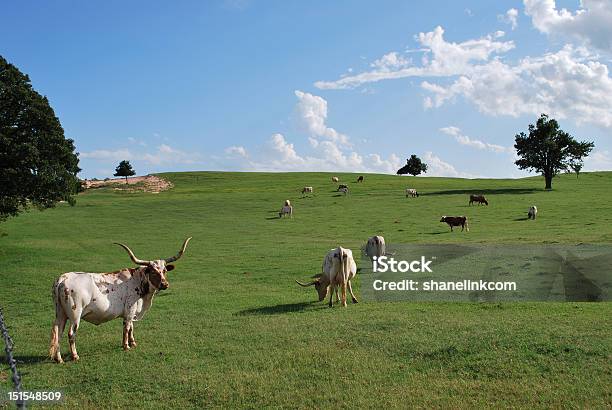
{"points": [[124, 169], [38, 165], [414, 166], [548, 149]]}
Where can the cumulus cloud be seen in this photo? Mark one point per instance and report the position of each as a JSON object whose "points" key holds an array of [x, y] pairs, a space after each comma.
{"points": [[510, 17], [462, 139], [440, 58], [108, 155], [565, 84], [436, 167], [326, 148], [312, 113], [234, 150], [591, 24]]}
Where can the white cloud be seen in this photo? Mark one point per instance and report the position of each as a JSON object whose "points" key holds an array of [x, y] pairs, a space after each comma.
{"points": [[312, 111], [104, 155], [598, 161], [481, 145], [239, 151], [509, 18], [591, 24], [163, 155], [565, 84], [436, 167], [440, 58]]}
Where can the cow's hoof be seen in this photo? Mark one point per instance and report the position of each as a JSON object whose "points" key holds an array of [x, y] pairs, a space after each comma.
{"points": [[58, 359], [126, 347], [133, 344], [75, 357], [355, 301]]}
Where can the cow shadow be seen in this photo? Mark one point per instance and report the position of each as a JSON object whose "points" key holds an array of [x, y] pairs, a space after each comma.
{"points": [[28, 359], [526, 218], [476, 191], [278, 309]]}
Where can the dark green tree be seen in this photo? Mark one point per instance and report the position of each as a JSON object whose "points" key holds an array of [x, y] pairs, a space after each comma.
{"points": [[414, 166], [124, 169], [548, 149], [38, 165], [577, 167]]}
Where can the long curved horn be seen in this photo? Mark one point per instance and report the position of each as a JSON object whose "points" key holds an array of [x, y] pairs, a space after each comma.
{"points": [[178, 255], [134, 258], [306, 284]]}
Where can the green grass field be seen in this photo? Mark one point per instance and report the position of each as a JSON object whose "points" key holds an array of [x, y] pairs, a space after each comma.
{"points": [[234, 330]]}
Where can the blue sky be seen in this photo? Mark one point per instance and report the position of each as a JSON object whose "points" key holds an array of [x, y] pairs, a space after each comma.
{"points": [[252, 85]]}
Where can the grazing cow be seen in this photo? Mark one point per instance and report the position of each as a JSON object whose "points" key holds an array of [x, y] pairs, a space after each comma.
{"points": [[338, 269], [342, 186], [286, 210], [100, 297], [478, 198], [343, 189], [412, 192], [532, 213], [287, 202], [461, 221], [360, 179], [375, 247], [307, 189], [335, 179]]}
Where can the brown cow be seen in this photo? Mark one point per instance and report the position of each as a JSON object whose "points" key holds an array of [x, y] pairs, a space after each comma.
{"points": [[461, 221], [478, 198], [360, 179]]}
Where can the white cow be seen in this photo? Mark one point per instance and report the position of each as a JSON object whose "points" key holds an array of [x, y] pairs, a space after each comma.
{"points": [[533, 212], [286, 210], [335, 179], [412, 192], [338, 269], [375, 247], [100, 297], [307, 190]]}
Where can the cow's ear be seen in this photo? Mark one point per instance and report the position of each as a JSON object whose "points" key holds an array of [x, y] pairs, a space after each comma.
{"points": [[169, 267]]}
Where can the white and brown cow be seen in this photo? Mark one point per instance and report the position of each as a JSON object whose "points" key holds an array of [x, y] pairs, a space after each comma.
{"points": [[335, 179], [307, 190], [375, 247], [287, 209], [338, 269], [100, 297], [412, 192]]}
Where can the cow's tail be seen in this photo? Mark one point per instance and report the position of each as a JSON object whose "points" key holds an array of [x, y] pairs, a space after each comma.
{"points": [[54, 343]]}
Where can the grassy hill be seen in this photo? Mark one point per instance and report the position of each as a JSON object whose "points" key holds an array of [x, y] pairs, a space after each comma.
{"points": [[234, 330]]}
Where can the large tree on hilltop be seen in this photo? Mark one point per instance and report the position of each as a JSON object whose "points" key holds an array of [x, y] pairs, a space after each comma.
{"points": [[414, 166], [38, 165], [548, 149]]}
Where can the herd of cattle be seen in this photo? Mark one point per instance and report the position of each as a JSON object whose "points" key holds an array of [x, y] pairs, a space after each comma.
{"points": [[128, 293]]}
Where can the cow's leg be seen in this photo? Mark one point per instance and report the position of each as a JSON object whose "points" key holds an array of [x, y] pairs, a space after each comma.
{"points": [[343, 296], [56, 335], [331, 295], [126, 333], [337, 296], [72, 332], [131, 340], [350, 288]]}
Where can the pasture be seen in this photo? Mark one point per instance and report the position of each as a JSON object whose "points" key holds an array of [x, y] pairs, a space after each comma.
{"points": [[234, 329]]}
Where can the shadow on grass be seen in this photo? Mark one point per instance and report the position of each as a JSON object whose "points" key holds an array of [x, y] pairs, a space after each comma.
{"points": [[521, 219], [499, 191], [272, 217], [29, 359], [278, 309]]}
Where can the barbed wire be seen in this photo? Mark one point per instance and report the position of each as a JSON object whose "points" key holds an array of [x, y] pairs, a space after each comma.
{"points": [[8, 348]]}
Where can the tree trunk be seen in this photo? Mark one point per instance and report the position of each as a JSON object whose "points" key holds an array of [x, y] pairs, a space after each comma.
{"points": [[548, 179], [126, 180]]}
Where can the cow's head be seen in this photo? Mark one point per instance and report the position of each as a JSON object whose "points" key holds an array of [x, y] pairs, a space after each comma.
{"points": [[321, 284], [156, 270], [443, 219]]}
